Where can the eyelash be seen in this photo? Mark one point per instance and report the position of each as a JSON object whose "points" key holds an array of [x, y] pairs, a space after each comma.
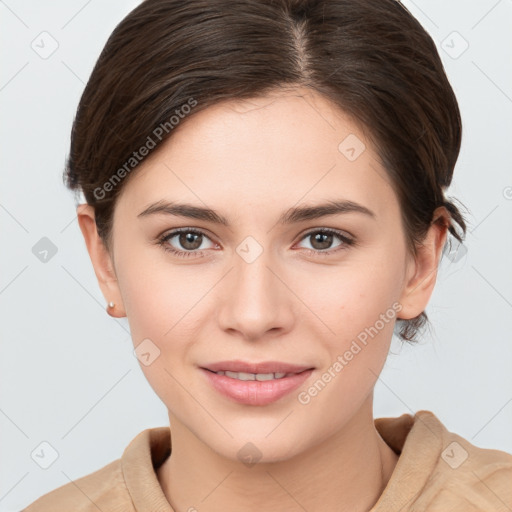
{"points": [[347, 242]]}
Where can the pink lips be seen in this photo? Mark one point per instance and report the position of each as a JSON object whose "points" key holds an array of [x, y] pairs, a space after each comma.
{"points": [[255, 392], [263, 367]]}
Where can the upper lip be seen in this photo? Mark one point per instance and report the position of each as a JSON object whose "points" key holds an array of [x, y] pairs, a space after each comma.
{"points": [[262, 367]]}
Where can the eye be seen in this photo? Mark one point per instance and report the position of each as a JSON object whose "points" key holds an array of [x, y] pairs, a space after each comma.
{"points": [[188, 239], [322, 239], [190, 242]]}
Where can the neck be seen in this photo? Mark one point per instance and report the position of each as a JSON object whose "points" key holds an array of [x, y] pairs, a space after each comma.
{"points": [[345, 472]]}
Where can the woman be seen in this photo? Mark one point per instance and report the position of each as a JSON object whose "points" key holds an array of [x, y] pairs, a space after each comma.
{"points": [[265, 202]]}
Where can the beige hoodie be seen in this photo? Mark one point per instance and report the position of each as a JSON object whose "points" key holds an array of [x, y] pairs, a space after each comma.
{"points": [[437, 471]]}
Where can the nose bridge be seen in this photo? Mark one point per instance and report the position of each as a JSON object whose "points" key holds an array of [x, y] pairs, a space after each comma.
{"points": [[255, 300], [254, 279]]}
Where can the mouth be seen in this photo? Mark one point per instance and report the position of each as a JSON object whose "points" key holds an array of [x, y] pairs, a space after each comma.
{"points": [[255, 383], [261, 368], [253, 376]]}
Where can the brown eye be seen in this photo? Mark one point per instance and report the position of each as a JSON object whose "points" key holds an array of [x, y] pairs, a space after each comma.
{"points": [[190, 240], [321, 240], [187, 242]]}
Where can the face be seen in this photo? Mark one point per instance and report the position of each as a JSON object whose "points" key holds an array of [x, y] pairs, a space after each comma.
{"points": [[276, 281]]}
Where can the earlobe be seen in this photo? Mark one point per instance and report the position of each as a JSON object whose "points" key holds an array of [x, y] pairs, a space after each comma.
{"points": [[422, 272], [101, 260]]}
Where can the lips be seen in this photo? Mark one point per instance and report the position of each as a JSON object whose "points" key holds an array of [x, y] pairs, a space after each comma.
{"points": [[264, 367], [255, 392], [256, 384]]}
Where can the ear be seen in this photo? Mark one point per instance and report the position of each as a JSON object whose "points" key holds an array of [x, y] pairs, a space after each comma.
{"points": [[101, 260], [422, 269]]}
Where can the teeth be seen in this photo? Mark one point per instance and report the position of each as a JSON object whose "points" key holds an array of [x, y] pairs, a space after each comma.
{"points": [[252, 376]]}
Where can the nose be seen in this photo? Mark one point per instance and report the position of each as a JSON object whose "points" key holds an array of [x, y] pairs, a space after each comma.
{"points": [[255, 300]]}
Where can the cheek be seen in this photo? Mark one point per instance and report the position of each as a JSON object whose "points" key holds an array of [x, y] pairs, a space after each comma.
{"points": [[359, 305], [360, 309], [351, 298], [164, 306], [157, 294]]}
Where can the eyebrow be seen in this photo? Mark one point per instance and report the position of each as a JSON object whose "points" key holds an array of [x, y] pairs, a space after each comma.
{"points": [[292, 215]]}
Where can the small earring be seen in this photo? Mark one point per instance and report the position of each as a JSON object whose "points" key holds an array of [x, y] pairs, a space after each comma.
{"points": [[111, 304]]}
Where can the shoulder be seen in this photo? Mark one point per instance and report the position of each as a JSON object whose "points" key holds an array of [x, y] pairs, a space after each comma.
{"points": [[466, 477], [125, 484], [101, 490]]}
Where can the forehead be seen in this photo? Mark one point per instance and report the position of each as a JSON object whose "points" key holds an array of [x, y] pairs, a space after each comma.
{"points": [[282, 148]]}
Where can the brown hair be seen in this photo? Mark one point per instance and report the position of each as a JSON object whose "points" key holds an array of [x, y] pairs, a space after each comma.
{"points": [[372, 58]]}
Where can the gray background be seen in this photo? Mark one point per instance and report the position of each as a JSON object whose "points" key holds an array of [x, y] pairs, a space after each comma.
{"points": [[69, 376]]}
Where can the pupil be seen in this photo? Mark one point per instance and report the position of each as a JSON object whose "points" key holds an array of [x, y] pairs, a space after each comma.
{"points": [[327, 239], [190, 238]]}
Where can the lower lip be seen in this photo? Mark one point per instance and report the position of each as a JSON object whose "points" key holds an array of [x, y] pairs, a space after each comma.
{"points": [[254, 392]]}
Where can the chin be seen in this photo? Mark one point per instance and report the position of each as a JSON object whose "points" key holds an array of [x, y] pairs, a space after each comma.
{"points": [[269, 444]]}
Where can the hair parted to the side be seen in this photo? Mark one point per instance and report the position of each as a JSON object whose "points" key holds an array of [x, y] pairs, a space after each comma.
{"points": [[168, 59]]}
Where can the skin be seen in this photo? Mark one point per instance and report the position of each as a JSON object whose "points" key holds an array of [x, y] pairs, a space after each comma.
{"points": [[250, 161]]}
